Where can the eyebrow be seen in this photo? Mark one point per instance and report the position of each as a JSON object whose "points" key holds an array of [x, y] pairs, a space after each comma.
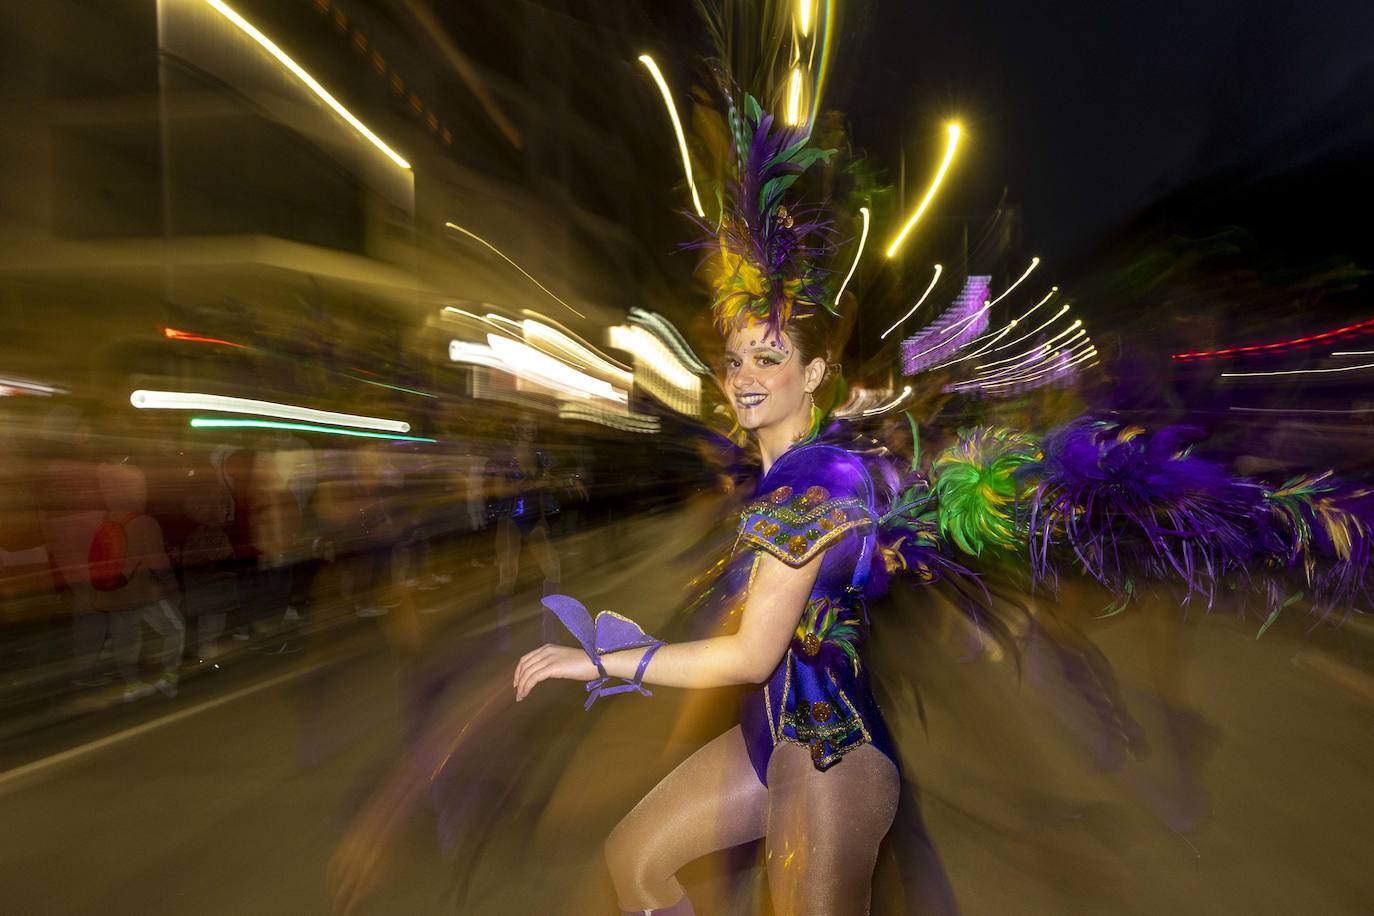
{"points": [[760, 348]]}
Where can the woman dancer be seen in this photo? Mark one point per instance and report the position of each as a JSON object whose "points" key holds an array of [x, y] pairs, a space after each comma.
{"points": [[811, 766]]}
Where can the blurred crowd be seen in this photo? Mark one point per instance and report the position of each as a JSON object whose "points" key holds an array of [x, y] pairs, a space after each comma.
{"points": [[132, 561]]}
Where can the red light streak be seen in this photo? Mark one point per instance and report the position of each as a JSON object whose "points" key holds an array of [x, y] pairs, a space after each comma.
{"points": [[1277, 345], [174, 334]]}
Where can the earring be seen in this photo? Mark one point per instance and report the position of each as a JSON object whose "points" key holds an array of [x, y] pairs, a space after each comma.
{"points": [[814, 425]]}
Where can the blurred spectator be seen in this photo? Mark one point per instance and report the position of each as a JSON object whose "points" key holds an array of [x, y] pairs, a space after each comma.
{"points": [[132, 580]]}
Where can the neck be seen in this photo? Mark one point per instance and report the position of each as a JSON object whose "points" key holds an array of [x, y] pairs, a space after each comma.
{"points": [[779, 437]]}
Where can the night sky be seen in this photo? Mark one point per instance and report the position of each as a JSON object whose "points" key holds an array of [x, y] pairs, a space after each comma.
{"points": [[1090, 110]]}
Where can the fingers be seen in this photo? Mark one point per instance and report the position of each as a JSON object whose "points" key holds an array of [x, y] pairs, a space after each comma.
{"points": [[537, 671], [525, 661]]}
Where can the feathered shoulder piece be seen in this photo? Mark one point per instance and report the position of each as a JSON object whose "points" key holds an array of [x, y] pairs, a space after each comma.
{"points": [[763, 254]]}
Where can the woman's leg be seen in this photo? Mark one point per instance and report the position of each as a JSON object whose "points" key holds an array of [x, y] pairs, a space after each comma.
{"points": [[713, 800], [824, 828]]}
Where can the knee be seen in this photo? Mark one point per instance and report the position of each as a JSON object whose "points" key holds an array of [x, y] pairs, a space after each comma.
{"points": [[631, 862]]}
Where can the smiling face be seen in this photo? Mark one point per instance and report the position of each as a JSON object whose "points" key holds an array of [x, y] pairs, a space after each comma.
{"points": [[767, 378]]}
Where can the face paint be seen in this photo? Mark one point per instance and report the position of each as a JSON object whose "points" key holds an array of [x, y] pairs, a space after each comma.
{"points": [[764, 378]]}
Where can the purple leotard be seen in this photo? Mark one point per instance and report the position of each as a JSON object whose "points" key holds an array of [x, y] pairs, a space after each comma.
{"points": [[817, 497]]}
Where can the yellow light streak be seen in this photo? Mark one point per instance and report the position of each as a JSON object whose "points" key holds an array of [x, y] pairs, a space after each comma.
{"points": [[794, 90], [477, 238], [974, 354], [863, 239], [1046, 345], [311, 83], [804, 16], [648, 61], [930, 194], [1035, 262], [924, 296], [1056, 317]]}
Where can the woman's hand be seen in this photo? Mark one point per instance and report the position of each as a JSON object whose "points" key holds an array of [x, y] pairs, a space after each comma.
{"points": [[551, 661]]}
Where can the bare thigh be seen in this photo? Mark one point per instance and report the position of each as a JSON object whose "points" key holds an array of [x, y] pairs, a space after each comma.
{"points": [[713, 800], [824, 828]]}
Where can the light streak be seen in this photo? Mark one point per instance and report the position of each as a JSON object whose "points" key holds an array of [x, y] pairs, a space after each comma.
{"points": [[1296, 371], [906, 392], [217, 423], [1016, 321], [540, 367], [804, 16], [1044, 345], [975, 353], [423, 394], [174, 334], [1042, 327], [670, 335], [863, 239], [475, 354], [19, 386], [1353, 353], [1035, 262], [311, 83], [630, 422], [502, 255], [188, 400], [544, 338], [655, 354], [924, 296], [1021, 379], [930, 194], [1277, 345], [964, 321], [648, 61], [794, 90]]}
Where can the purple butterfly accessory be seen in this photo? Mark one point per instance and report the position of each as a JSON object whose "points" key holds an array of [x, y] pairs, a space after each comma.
{"points": [[610, 632]]}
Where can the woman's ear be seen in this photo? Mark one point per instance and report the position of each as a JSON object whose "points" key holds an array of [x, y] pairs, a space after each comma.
{"points": [[815, 374]]}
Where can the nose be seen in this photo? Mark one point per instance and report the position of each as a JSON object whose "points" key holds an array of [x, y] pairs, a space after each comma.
{"points": [[742, 377]]}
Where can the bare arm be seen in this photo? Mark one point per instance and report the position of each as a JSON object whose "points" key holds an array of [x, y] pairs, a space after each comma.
{"points": [[777, 595]]}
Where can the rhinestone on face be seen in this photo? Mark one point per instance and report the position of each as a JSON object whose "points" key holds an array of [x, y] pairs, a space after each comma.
{"points": [[780, 495], [825, 524], [811, 643], [820, 711], [796, 545]]}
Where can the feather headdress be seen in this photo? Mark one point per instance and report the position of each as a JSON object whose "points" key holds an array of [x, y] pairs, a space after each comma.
{"points": [[763, 255]]}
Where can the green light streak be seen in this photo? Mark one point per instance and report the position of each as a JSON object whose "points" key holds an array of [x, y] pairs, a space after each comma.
{"points": [[217, 423]]}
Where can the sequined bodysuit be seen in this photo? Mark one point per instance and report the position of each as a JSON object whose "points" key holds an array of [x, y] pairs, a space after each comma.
{"points": [[816, 498]]}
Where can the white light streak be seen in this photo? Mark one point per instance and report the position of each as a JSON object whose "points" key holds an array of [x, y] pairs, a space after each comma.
{"points": [[1296, 371], [314, 86], [186, 400], [906, 392], [933, 280], [526, 361], [648, 61]]}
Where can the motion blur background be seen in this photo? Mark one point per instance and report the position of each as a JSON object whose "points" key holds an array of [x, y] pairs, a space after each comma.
{"points": [[377, 308]]}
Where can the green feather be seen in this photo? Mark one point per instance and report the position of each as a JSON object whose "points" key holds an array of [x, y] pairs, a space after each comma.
{"points": [[978, 490]]}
